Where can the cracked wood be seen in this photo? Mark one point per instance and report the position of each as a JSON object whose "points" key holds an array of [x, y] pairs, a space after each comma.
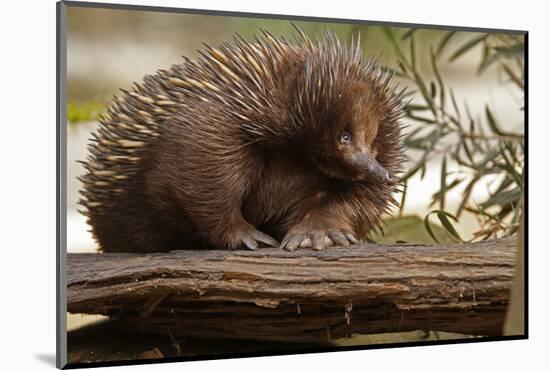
{"points": [[271, 294]]}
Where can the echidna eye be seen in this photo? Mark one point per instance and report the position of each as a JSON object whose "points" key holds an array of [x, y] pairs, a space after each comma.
{"points": [[345, 137]]}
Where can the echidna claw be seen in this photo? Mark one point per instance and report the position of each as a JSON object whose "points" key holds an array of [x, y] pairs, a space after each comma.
{"points": [[318, 239], [255, 239]]}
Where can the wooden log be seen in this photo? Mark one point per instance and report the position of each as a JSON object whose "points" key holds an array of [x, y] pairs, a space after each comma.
{"points": [[301, 296]]}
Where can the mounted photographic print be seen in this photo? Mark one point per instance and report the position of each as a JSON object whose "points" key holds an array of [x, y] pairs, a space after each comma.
{"points": [[237, 185]]}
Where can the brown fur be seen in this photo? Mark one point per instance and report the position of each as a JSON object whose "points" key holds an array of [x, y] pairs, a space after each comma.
{"points": [[255, 148]]}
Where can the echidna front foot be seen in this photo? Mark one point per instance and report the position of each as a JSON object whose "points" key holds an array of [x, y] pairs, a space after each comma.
{"points": [[318, 233], [252, 238]]}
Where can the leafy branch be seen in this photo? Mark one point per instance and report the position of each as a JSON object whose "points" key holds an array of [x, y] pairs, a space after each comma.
{"points": [[443, 130]]}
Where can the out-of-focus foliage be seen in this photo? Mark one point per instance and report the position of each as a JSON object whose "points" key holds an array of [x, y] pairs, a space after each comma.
{"points": [[411, 229], [446, 130], [84, 112]]}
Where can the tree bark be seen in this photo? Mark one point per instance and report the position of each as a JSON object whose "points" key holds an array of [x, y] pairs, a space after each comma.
{"points": [[301, 296]]}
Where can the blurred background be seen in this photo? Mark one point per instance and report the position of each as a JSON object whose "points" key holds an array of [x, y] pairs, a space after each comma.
{"points": [[464, 177]]}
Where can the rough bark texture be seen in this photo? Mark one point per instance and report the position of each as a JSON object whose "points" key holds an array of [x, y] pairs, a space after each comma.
{"points": [[300, 296]]}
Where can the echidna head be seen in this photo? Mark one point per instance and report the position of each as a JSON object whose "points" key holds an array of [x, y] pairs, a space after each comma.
{"points": [[352, 116]]}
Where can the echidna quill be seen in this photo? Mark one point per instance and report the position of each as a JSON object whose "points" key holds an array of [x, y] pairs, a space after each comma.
{"points": [[262, 143]]}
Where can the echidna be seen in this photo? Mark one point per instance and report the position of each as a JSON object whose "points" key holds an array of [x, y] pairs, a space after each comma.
{"points": [[251, 143]]}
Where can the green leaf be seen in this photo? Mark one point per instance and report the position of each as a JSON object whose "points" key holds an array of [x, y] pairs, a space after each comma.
{"points": [[484, 56], [424, 91], [443, 182], [412, 171], [439, 80], [444, 219], [455, 105], [437, 134], [428, 227], [466, 195], [450, 186], [411, 135], [515, 50], [502, 52], [504, 184], [422, 119], [487, 61], [513, 77], [467, 46], [444, 42], [388, 32], [509, 167], [489, 157], [408, 34], [425, 142], [467, 151], [511, 149], [416, 107], [502, 199], [491, 121], [413, 54], [456, 155]]}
